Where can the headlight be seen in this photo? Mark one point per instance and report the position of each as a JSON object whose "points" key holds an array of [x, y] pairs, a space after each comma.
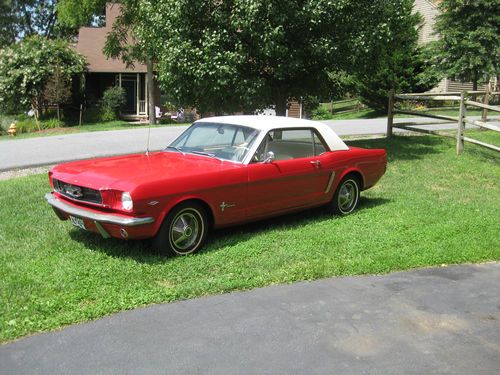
{"points": [[127, 202]]}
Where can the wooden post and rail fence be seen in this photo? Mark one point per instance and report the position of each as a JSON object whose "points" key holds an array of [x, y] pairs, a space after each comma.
{"points": [[464, 99]]}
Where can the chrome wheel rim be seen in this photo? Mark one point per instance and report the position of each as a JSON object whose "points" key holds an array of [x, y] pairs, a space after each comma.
{"points": [[186, 231], [348, 196]]}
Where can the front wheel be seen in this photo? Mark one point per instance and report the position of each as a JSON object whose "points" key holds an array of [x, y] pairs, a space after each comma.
{"points": [[346, 197], [183, 231]]}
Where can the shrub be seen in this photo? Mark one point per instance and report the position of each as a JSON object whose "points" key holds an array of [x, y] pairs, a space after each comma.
{"points": [[26, 126], [321, 113], [5, 122], [111, 103], [51, 123], [107, 114], [92, 114]]}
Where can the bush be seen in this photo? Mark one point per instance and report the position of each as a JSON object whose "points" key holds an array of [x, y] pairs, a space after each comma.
{"points": [[92, 114], [26, 126], [108, 115], [321, 113], [51, 123], [310, 103], [111, 103], [5, 121]]}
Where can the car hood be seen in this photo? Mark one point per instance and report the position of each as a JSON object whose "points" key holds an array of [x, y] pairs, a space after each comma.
{"points": [[128, 171]]}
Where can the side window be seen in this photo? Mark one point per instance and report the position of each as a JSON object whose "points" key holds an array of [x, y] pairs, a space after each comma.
{"points": [[319, 146], [290, 144]]}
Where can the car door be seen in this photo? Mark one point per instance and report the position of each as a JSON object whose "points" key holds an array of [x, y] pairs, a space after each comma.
{"points": [[295, 178]]}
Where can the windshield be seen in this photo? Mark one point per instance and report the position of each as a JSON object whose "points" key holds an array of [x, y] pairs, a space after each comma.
{"points": [[222, 141]]}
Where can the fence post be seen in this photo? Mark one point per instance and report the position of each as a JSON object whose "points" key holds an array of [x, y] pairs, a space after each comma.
{"points": [[486, 100], [80, 117], [461, 124], [390, 113]]}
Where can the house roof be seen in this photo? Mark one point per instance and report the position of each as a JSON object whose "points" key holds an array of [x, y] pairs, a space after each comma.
{"points": [[91, 41]]}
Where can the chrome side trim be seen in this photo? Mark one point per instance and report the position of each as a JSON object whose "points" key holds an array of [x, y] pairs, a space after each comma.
{"points": [[330, 182], [97, 217]]}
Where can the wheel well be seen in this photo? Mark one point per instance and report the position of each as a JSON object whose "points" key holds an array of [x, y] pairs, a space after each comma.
{"points": [[208, 210], [358, 176]]}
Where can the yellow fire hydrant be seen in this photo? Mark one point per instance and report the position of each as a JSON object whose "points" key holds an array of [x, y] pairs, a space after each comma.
{"points": [[12, 129]]}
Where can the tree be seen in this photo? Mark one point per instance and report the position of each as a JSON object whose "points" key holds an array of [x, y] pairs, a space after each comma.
{"points": [[241, 55], [23, 18], [122, 42], [27, 66], [57, 89], [469, 40], [399, 64]]}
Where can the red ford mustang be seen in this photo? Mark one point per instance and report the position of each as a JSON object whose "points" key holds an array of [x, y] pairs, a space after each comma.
{"points": [[221, 171]]}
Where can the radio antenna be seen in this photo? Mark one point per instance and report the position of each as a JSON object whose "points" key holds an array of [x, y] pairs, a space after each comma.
{"points": [[149, 136]]}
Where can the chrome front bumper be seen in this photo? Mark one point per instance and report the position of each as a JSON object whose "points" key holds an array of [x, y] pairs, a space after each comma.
{"points": [[96, 217]]}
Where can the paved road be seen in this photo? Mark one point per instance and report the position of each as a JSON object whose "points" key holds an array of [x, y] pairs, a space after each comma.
{"points": [[31, 152], [442, 320]]}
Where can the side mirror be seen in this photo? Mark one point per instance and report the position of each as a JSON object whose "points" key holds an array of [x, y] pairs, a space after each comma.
{"points": [[269, 157]]}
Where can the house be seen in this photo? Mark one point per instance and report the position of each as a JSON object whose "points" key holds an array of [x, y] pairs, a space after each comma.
{"points": [[106, 72], [429, 10]]}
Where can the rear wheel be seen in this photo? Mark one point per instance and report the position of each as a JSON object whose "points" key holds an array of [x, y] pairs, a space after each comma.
{"points": [[346, 197], [183, 231]]}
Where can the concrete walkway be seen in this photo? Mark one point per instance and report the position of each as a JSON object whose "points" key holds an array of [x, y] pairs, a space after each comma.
{"points": [[443, 320], [32, 152]]}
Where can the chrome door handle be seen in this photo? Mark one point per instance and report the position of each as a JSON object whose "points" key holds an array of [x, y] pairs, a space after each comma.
{"points": [[316, 163]]}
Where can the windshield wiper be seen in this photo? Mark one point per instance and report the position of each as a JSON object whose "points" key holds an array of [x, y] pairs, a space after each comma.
{"points": [[175, 148], [203, 153]]}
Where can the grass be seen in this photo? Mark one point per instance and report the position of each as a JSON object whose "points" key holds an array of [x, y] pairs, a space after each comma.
{"points": [[94, 127], [431, 208], [349, 111]]}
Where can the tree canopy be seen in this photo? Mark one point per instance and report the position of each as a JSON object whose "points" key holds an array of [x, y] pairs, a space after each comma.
{"points": [[27, 66], [23, 18], [469, 40], [238, 55], [398, 64]]}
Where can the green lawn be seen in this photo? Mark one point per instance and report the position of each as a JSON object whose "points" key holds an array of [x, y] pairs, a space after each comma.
{"points": [[101, 126], [367, 113], [431, 208]]}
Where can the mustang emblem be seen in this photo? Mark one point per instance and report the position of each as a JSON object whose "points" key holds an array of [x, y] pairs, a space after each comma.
{"points": [[225, 205], [73, 191]]}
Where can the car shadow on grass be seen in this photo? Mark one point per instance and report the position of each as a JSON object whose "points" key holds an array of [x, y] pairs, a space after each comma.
{"points": [[231, 236], [405, 147], [141, 252]]}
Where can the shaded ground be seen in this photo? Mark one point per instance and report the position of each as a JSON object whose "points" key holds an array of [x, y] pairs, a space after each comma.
{"points": [[442, 320]]}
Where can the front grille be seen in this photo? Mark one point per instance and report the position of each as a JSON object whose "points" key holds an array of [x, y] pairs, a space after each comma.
{"points": [[78, 193]]}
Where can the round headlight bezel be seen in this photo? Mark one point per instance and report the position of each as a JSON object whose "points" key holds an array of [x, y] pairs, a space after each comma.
{"points": [[127, 202]]}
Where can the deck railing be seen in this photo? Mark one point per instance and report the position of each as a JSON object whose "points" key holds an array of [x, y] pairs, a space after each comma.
{"points": [[142, 107]]}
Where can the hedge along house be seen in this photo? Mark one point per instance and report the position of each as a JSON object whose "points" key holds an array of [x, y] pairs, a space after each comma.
{"points": [[106, 72]]}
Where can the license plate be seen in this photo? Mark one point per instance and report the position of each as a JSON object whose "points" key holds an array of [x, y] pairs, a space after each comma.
{"points": [[77, 222]]}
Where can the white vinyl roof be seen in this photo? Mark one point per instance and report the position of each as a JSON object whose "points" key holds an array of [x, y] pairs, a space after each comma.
{"points": [[267, 123]]}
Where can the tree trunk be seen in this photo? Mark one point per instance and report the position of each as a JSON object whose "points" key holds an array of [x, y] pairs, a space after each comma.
{"points": [[280, 102], [474, 82], [151, 91], [34, 107]]}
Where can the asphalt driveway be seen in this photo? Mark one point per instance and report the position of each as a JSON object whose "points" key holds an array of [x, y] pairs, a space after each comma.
{"points": [[443, 320]]}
